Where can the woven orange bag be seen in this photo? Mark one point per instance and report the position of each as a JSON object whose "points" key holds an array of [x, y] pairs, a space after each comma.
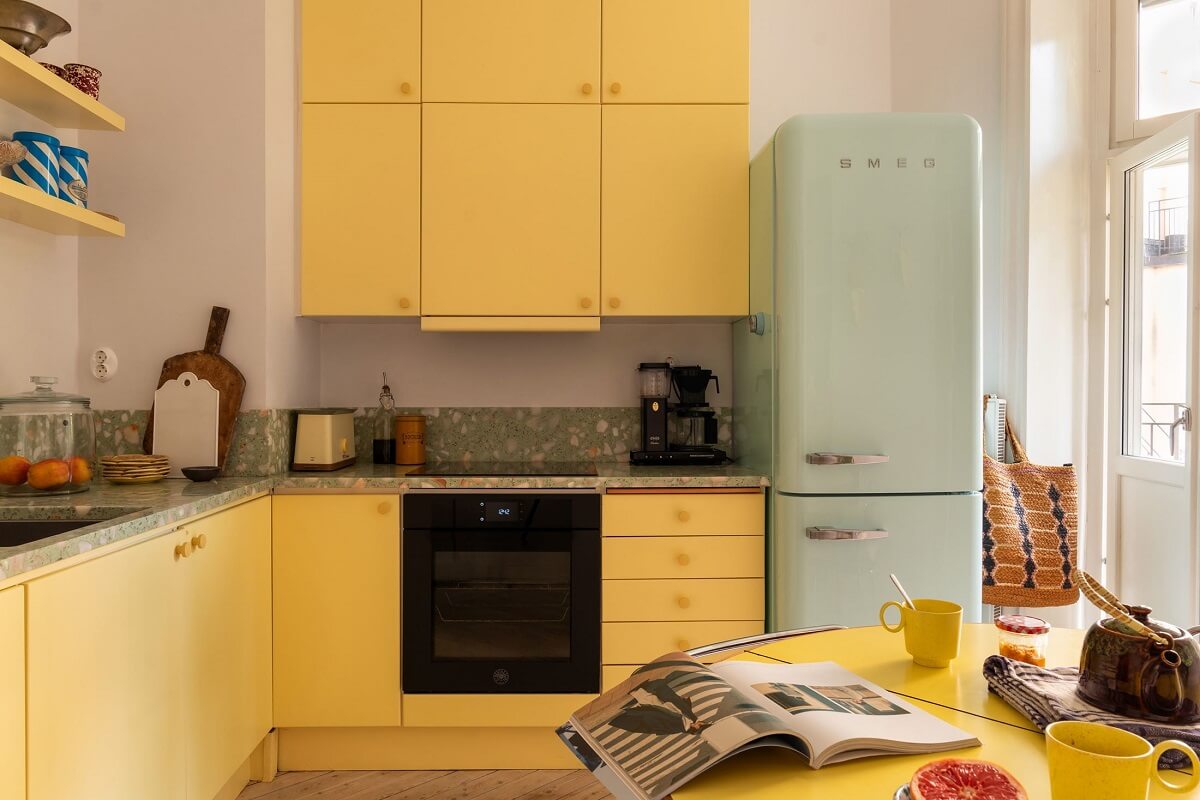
{"points": [[1030, 531]]}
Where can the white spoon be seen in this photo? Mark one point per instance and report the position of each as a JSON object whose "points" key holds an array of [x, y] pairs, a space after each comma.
{"points": [[907, 600]]}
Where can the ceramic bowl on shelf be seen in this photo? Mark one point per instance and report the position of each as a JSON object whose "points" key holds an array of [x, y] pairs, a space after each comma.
{"points": [[29, 27], [200, 474]]}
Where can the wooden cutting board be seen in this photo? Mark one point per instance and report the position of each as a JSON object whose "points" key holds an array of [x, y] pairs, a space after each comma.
{"points": [[207, 365]]}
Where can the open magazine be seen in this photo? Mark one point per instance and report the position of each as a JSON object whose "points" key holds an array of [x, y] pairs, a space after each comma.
{"points": [[675, 718]]}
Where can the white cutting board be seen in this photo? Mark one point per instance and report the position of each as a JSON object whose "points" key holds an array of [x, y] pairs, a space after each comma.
{"points": [[186, 413]]}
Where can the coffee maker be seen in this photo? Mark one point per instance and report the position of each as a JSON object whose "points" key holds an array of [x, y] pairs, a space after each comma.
{"points": [[696, 422]]}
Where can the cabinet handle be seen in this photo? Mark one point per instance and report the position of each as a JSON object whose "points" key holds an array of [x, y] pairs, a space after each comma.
{"points": [[684, 516], [200, 542], [683, 559], [385, 508], [683, 602], [682, 644], [614, 302], [183, 550], [615, 88], [586, 88], [585, 302], [406, 88], [404, 302]]}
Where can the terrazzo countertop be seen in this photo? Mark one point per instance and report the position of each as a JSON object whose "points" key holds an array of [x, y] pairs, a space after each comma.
{"points": [[608, 475], [119, 513]]}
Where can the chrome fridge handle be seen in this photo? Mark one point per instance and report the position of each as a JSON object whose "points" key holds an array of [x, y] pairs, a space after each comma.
{"points": [[834, 459], [844, 534]]}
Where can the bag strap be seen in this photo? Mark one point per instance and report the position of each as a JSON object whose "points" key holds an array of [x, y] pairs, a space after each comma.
{"points": [[1018, 448], [1106, 601]]}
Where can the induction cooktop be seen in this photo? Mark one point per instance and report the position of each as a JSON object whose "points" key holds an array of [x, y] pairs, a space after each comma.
{"points": [[505, 468]]}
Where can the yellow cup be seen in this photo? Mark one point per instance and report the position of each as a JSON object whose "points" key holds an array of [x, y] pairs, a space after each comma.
{"points": [[931, 630], [1089, 760]]}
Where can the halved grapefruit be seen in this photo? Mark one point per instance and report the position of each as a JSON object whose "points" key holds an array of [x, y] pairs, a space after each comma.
{"points": [[962, 779]]}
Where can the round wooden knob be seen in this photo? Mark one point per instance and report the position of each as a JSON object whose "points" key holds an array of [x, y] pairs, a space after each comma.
{"points": [[682, 644], [385, 508], [586, 88], [404, 302], [684, 516], [406, 88], [200, 542], [683, 602], [183, 550], [585, 302], [683, 559], [615, 88], [614, 302]]}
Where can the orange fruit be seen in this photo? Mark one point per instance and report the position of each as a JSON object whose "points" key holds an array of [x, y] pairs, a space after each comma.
{"points": [[962, 779], [49, 474], [13, 470], [81, 470]]}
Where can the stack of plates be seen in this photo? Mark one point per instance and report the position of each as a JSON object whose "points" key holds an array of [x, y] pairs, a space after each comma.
{"points": [[134, 468]]}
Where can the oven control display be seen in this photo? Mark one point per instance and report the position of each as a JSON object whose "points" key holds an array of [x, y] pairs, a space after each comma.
{"points": [[499, 511]]}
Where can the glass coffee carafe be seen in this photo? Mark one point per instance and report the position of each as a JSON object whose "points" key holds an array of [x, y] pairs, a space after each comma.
{"points": [[47, 441]]}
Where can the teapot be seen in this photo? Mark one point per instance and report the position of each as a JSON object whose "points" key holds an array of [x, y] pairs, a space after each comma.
{"points": [[1138, 666]]}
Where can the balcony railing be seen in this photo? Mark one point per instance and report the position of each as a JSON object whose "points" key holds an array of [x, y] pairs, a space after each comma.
{"points": [[1157, 421], [1165, 239]]}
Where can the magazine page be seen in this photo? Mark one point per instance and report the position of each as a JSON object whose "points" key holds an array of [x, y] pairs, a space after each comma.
{"points": [[668, 722], [839, 714]]}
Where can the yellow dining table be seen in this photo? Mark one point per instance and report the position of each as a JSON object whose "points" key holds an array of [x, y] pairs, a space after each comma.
{"points": [[958, 695]]}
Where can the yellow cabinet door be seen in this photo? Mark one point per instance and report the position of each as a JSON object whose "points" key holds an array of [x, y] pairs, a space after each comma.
{"points": [[511, 51], [360, 210], [676, 51], [368, 52], [676, 211], [226, 679], [12, 694], [105, 679], [336, 610], [510, 221]]}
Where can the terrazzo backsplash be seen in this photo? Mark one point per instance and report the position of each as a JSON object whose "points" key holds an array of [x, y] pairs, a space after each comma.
{"points": [[262, 440]]}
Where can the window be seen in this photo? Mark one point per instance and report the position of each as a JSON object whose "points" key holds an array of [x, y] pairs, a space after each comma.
{"points": [[1156, 65]]}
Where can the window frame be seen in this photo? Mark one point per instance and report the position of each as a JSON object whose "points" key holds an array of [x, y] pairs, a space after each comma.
{"points": [[1126, 126]]}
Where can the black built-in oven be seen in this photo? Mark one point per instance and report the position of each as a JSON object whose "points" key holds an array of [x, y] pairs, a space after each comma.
{"points": [[501, 592]]}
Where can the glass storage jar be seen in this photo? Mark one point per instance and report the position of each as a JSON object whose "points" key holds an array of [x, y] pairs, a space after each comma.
{"points": [[1024, 638], [47, 441]]}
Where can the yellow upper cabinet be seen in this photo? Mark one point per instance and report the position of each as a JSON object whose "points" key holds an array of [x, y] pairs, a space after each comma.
{"points": [[365, 52], [676, 51], [510, 209], [12, 693], [360, 210], [676, 211], [511, 51]]}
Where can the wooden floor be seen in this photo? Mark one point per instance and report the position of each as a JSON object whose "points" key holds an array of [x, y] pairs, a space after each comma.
{"points": [[508, 784]]}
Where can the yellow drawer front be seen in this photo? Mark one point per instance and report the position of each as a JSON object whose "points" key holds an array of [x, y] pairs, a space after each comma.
{"points": [[704, 599], [491, 711], [610, 676], [683, 514], [684, 557], [641, 642]]}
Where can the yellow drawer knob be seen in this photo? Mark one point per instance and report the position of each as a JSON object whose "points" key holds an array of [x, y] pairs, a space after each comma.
{"points": [[406, 88], [385, 508], [585, 302], [200, 542], [684, 516], [183, 550], [683, 559], [586, 88], [614, 302], [683, 602], [615, 88], [682, 644], [404, 302]]}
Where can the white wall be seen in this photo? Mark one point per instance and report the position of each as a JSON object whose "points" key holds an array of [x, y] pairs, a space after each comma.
{"points": [[38, 290]]}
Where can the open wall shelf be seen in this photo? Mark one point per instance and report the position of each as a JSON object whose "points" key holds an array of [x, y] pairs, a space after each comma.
{"points": [[28, 85], [29, 206]]}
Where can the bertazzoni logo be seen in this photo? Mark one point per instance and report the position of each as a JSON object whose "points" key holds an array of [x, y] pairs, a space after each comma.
{"points": [[900, 162]]}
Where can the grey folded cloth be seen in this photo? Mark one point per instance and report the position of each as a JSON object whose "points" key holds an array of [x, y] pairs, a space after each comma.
{"points": [[1048, 695]]}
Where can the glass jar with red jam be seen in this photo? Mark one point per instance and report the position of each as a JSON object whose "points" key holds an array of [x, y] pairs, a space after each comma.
{"points": [[1024, 638]]}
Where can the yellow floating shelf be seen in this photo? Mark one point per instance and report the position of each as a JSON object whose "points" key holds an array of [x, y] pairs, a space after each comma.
{"points": [[29, 206], [30, 86]]}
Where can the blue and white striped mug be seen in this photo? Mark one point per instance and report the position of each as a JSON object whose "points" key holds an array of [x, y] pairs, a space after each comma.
{"points": [[39, 168], [73, 175]]}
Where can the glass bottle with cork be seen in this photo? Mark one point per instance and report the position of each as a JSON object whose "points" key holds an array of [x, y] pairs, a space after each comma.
{"points": [[385, 436]]}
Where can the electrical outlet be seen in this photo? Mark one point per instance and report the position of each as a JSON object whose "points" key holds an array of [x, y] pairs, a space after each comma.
{"points": [[104, 364]]}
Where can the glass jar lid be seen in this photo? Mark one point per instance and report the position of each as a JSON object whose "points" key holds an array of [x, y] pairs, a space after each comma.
{"points": [[1018, 623], [44, 399]]}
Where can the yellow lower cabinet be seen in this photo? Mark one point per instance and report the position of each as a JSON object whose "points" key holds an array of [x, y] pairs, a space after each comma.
{"points": [[488, 711], [336, 610], [683, 557], [684, 513], [612, 675], [642, 642], [105, 678], [12, 694], [226, 677], [699, 599]]}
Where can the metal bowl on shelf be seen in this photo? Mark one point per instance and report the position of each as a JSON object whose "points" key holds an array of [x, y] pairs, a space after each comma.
{"points": [[27, 27]]}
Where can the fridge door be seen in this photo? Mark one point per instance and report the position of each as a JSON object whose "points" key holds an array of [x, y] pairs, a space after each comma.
{"points": [[932, 543], [877, 271]]}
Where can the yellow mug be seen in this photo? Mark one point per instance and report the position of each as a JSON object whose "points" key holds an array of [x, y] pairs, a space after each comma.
{"points": [[931, 630], [1089, 760]]}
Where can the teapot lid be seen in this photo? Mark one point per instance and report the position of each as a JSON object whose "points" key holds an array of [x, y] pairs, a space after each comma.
{"points": [[1142, 615]]}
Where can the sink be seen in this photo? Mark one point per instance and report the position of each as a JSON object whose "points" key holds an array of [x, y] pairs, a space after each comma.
{"points": [[14, 532]]}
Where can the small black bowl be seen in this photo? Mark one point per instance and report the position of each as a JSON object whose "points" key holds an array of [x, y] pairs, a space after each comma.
{"points": [[200, 474]]}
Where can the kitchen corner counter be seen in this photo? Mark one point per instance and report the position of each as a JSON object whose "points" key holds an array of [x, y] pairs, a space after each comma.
{"points": [[120, 512], [608, 476]]}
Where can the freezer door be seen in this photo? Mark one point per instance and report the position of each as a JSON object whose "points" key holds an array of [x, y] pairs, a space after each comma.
{"points": [[877, 269], [823, 572]]}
